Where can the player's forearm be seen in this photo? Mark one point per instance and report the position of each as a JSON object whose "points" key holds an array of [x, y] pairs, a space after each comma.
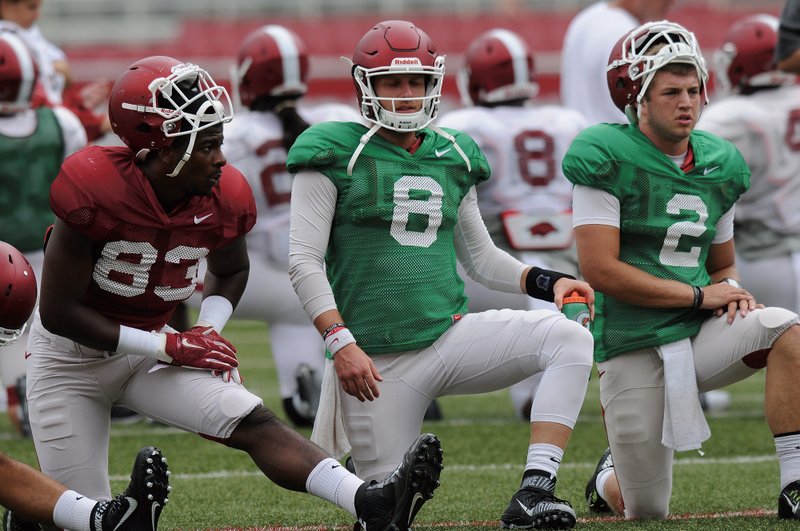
{"points": [[634, 286]]}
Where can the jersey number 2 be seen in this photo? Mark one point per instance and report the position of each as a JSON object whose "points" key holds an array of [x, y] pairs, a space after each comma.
{"points": [[670, 255]]}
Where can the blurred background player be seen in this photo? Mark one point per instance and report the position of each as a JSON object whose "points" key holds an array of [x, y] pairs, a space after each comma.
{"points": [[33, 143], [87, 101], [527, 203], [787, 51], [588, 41], [760, 116], [271, 76], [20, 16]]}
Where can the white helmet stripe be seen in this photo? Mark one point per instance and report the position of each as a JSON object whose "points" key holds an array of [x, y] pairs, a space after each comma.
{"points": [[518, 55], [289, 53], [25, 60]]}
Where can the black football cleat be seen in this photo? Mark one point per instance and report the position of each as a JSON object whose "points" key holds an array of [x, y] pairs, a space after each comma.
{"points": [[14, 522], [535, 506], [140, 506], [392, 504], [789, 502], [593, 500]]}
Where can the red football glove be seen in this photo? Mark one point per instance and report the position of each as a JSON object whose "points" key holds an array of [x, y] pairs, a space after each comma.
{"points": [[201, 347]]}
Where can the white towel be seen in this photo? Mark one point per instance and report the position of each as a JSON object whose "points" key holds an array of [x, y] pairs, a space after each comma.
{"points": [[685, 426], [328, 430]]}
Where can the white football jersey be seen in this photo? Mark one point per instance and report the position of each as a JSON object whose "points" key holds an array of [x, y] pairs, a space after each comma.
{"points": [[765, 127], [524, 147], [254, 145]]}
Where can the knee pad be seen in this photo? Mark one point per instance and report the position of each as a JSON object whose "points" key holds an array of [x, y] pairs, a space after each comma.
{"points": [[777, 318], [570, 344]]}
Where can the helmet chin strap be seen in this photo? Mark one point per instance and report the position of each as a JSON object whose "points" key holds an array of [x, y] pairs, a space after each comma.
{"points": [[194, 121], [186, 155]]}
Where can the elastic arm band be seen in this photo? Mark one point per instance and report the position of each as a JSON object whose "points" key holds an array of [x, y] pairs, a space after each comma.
{"points": [[540, 282]]}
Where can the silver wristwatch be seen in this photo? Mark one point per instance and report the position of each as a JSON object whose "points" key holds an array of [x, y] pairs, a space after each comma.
{"points": [[733, 282]]}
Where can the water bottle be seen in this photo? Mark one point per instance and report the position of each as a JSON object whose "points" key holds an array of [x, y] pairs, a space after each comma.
{"points": [[576, 307]]}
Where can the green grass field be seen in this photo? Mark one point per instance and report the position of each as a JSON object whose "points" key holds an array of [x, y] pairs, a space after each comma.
{"points": [[733, 486]]}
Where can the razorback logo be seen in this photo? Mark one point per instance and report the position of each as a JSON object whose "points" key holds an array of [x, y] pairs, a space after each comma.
{"points": [[543, 229]]}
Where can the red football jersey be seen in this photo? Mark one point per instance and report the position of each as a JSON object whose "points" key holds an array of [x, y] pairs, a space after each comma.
{"points": [[145, 260]]}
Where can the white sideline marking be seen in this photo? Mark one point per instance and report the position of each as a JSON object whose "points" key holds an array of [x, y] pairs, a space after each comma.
{"points": [[693, 461]]}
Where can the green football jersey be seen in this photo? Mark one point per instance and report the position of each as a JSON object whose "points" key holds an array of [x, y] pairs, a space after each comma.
{"points": [[667, 223], [28, 165], [391, 258]]}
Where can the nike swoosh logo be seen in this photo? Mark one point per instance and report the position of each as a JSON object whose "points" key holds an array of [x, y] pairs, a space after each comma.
{"points": [[709, 170], [794, 506], [411, 513], [185, 342], [27, 354], [200, 219], [154, 515], [440, 153], [335, 466], [131, 509], [529, 512]]}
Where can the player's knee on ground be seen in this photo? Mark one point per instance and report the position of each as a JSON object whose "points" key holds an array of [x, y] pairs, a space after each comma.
{"points": [[641, 462]]}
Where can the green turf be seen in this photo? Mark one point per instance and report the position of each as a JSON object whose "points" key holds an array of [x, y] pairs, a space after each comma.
{"points": [[485, 448]]}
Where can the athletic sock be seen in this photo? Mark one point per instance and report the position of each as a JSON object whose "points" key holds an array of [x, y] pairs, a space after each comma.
{"points": [[544, 457], [331, 481], [73, 511], [788, 449]]}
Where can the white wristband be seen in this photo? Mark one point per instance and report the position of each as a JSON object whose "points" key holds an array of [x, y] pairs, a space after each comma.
{"points": [[338, 340], [140, 343], [215, 310]]}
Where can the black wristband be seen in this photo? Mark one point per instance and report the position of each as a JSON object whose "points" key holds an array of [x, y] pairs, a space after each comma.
{"points": [[698, 297], [539, 283]]}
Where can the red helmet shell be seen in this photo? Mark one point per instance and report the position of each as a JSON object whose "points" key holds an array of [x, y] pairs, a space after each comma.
{"points": [[746, 58], [272, 61], [394, 39], [622, 88], [18, 73], [17, 288], [140, 129], [640, 54], [499, 67], [397, 47]]}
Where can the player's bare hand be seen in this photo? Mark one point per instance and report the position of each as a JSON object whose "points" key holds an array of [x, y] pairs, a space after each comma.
{"points": [[357, 373], [564, 286], [724, 298]]}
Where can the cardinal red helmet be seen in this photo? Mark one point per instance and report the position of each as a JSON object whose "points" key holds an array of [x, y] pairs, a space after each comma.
{"points": [[17, 292], [272, 61], [499, 67], [632, 65], [18, 73], [397, 47], [159, 98], [746, 59]]}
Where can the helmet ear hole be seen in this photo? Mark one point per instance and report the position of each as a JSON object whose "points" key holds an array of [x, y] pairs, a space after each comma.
{"points": [[143, 128]]}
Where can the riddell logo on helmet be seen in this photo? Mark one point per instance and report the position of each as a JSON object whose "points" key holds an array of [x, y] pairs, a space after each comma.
{"points": [[406, 61]]}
